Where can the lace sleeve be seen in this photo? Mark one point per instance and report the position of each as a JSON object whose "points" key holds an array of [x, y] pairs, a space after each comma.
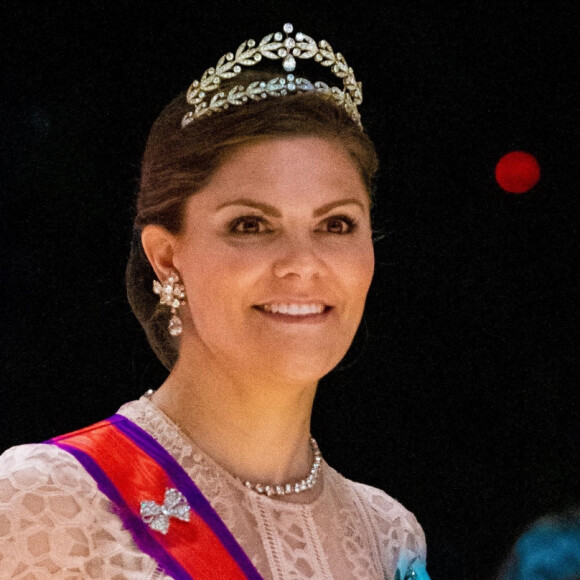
{"points": [[401, 537], [55, 522]]}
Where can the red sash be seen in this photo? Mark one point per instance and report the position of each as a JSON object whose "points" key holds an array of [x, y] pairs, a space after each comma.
{"points": [[167, 515]]}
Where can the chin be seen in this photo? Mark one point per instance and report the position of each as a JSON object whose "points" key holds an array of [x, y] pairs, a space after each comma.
{"points": [[304, 367]]}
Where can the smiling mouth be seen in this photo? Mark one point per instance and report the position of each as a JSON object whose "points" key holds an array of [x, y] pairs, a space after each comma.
{"points": [[293, 309]]}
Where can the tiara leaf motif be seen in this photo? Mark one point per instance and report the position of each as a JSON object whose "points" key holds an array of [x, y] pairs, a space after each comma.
{"points": [[273, 47]]}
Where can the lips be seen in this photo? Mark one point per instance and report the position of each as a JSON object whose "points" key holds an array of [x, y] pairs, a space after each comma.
{"points": [[293, 309]]}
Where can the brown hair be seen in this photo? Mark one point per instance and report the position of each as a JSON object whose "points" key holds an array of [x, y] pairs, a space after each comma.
{"points": [[178, 162]]}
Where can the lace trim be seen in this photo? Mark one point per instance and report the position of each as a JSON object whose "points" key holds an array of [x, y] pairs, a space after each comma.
{"points": [[366, 519]]}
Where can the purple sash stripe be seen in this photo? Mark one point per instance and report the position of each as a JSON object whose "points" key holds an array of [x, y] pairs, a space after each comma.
{"points": [[139, 530], [187, 487]]}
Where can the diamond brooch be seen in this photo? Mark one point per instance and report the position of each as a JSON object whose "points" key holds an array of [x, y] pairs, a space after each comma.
{"points": [[157, 516]]}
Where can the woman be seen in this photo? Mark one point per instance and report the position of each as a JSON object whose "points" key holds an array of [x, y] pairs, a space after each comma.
{"points": [[253, 233]]}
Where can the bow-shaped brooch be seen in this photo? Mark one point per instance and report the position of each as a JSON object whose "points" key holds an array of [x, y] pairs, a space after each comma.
{"points": [[157, 516]]}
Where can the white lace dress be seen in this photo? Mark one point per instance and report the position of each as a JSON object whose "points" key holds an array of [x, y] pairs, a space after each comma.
{"points": [[55, 523]]}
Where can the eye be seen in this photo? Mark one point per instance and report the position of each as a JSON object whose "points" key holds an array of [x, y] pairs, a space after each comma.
{"points": [[248, 224], [339, 224]]}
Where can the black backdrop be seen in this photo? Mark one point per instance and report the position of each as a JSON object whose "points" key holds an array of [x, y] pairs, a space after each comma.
{"points": [[460, 394]]}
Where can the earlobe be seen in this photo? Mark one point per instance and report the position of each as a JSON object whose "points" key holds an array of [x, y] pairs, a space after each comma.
{"points": [[159, 246]]}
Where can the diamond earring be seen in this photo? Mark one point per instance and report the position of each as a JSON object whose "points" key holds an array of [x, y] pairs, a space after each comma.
{"points": [[172, 294]]}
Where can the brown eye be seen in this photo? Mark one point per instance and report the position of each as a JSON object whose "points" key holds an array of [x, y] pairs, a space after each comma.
{"points": [[340, 225], [248, 225]]}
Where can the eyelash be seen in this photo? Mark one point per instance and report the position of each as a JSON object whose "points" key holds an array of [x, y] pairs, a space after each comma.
{"points": [[351, 224], [232, 228]]}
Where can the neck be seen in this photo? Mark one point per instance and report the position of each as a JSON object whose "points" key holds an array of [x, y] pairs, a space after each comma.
{"points": [[257, 429]]}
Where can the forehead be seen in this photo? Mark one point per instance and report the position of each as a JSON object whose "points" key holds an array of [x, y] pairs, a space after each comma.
{"points": [[290, 171]]}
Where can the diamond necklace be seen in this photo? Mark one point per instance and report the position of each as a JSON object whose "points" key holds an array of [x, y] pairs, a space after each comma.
{"points": [[288, 488], [297, 487]]}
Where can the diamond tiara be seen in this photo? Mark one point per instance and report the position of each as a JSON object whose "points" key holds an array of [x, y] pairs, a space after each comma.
{"points": [[206, 98]]}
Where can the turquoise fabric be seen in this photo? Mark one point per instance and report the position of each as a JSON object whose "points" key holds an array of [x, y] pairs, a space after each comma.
{"points": [[414, 570]]}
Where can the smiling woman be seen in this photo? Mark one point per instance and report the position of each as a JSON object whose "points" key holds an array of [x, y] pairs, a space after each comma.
{"points": [[276, 276], [251, 263]]}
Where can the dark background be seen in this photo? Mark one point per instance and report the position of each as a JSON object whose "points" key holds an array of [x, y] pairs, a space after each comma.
{"points": [[460, 394]]}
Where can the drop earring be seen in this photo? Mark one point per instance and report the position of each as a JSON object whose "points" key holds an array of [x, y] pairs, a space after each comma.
{"points": [[172, 294]]}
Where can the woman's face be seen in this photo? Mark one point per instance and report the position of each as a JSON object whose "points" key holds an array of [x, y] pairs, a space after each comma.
{"points": [[276, 256]]}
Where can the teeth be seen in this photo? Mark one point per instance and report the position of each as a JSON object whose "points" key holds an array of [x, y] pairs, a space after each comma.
{"points": [[294, 309]]}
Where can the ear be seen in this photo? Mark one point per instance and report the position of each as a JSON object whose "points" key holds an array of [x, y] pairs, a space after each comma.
{"points": [[159, 246]]}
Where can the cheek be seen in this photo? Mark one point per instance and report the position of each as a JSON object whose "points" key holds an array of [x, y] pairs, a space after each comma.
{"points": [[358, 268], [220, 276]]}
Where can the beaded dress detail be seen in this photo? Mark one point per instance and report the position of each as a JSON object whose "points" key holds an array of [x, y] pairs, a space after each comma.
{"points": [[54, 522]]}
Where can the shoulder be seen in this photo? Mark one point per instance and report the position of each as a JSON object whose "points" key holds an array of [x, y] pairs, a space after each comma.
{"points": [[42, 483], [48, 507], [386, 508], [40, 467], [396, 528]]}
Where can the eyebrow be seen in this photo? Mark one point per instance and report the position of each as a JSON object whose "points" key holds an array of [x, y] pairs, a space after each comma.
{"points": [[272, 211]]}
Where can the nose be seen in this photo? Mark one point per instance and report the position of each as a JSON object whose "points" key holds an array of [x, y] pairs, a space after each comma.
{"points": [[298, 256]]}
